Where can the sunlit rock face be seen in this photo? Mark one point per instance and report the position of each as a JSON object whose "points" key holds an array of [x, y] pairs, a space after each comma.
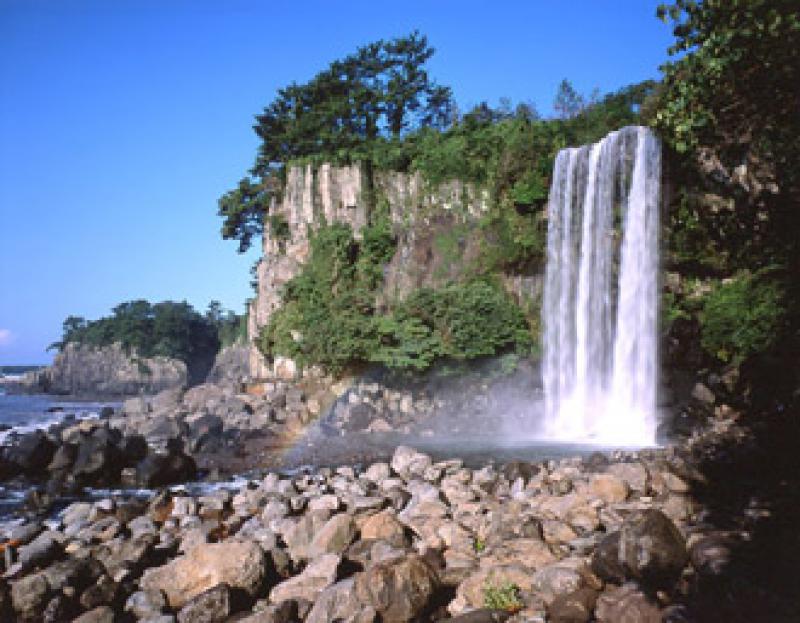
{"points": [[331, 194], [600, 312]]}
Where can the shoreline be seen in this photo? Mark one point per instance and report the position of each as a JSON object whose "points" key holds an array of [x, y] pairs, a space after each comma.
{"points": [[440, 539]]}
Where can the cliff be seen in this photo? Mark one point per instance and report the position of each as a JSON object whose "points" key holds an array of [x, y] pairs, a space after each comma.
{"points": [[107, 371], [437, 230]]}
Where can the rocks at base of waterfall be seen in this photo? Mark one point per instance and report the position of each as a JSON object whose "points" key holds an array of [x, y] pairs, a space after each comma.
{"points": [[159, 469], [29, 454], [239, 565], [573, 607], [626, 603], [652, 549], [210, 606], [703, 395], [407, 462], [412, 541], [398, 590], [316, 577]]}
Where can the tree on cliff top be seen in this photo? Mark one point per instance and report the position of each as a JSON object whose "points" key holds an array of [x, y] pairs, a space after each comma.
{"points": [[378, 93]]}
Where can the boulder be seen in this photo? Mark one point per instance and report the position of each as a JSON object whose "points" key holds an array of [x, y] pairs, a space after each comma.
{"points": [[471, 593], [407, 462], [102, 614], [626, 604], [41, 551], [334, 537], [31, 453], [651, 549], [557, 579], [606, 564], [634, 475], [316, 577], [146, 604], [159, 469], [397, 590], [240, 565], [211, 606], [339, 603], [609, 488], [29, 596], [574, 607], [385, 526]]}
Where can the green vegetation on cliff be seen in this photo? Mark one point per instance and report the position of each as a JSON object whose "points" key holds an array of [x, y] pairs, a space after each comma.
{"points": [[379, 107], [728, 113], [330, 316]]}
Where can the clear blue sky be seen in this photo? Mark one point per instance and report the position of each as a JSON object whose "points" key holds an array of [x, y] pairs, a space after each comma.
{"points": [[123, 121]]}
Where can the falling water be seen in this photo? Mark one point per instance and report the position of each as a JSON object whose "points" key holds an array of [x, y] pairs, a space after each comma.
{"points": [[600, 308]]}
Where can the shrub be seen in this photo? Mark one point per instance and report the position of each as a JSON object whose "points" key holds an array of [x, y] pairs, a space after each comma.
{"points": [[742, 317], [503, 596], [329, 317]]}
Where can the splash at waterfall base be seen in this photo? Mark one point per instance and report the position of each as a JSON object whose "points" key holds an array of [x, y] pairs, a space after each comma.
{"points": [[600, 311]]}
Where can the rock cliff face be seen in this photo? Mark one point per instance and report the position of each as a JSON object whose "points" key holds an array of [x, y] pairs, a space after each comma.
{"points": [[107, 371], [421, 216]]}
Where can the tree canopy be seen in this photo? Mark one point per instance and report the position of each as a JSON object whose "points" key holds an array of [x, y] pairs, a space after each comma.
{"points": [[380, 92], [168, 329]]}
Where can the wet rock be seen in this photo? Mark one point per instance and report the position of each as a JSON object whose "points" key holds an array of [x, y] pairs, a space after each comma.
{"points": [[652, 549], [41, 551], [316, 577], [626, 604], [158, 469], [136, 406], [63, 458], [211, 606], [59, 608], [397, 590], [574, 607], [99, 459], [25, 533], [240, 565], [31, 453]]}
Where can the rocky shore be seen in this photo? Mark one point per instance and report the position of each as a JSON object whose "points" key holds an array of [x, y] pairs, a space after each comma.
{"points": [[607, 538]]}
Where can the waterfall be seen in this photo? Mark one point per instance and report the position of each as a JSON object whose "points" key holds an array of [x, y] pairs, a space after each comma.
{"points": [[601, 294]]}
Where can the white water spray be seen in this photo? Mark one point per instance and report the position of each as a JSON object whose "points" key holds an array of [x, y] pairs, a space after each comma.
{"points": [[600, 312]]}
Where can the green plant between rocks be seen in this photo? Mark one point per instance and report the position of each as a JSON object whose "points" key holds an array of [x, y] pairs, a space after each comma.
{"points": [[503, 596]]}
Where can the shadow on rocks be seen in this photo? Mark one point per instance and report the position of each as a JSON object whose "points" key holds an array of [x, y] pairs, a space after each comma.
{"points": [[747, 568]]}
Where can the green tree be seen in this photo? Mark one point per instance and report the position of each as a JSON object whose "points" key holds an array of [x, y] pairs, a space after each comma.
{"points": [[568, 102], [347, 112]]}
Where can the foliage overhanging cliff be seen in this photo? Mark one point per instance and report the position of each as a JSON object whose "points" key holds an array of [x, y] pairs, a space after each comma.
{"points": [[726, 109]]}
